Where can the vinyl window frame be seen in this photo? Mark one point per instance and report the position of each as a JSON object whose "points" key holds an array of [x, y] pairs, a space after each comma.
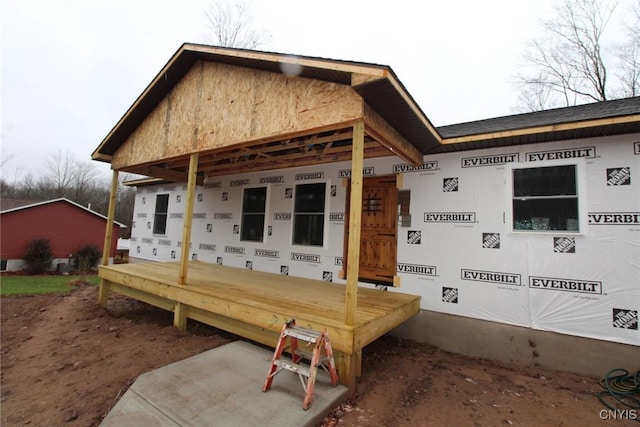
{"points": [[298, 215], [161, 216], [245, 214], [581, 222]]}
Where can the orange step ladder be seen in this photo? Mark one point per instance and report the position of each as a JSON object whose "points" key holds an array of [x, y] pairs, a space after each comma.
{"points": [[306, 373]]}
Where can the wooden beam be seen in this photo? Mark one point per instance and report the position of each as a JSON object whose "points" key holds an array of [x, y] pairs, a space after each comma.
{"points": [[543, 129], [387, 136], [111, 213], [188, 219], [103, 292], [164, 173], [338, 154], [355, 219]]}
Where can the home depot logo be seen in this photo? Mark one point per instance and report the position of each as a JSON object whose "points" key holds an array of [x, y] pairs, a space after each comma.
{"points": [[566, 285], [491, 277], [267, 253], [406, 167], [450, 295], [491, 240], [625, 319], [614, 218], [619, 176], [249, 265], [284, 270], [327, 276], [450, 184], [346, 173], [585, 152], [422, 270], [500, 159], [234, 250], [305, 257], [414, 237], [564, 245]]}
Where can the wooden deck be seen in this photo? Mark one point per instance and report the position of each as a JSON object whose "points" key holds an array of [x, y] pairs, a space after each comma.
{"points": [[255, 304]]}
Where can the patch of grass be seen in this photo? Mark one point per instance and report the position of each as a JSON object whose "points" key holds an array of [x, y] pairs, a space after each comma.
{"points": [[36, 285]]}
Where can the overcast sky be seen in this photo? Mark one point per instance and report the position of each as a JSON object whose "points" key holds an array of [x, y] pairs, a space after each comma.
{"points": [[71, 68]]}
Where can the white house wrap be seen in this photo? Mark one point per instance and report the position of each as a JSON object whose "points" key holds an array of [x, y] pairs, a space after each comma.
{"points": [[459, 251]]}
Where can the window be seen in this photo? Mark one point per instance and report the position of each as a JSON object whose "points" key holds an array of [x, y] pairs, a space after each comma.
{"points": [[160, 215], [308, 214], [546, 198], [254, 202]]}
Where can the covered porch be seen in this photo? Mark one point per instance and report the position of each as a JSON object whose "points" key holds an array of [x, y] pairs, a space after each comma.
{"points": [[214, 112], [255, 304]]}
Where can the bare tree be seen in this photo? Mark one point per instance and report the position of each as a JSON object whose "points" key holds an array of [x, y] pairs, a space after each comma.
{"points": [[59, 169], [230, 24], [629, 56], [568, 63]]}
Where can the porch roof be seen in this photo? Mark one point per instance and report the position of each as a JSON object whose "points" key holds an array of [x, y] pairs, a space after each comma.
{"points": [[378, 86]]}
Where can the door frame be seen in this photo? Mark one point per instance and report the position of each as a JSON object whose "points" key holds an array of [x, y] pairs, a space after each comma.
{"points": [[395, 280]]}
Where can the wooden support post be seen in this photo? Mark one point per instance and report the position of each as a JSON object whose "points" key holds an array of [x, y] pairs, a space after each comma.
{"points": [[180, 316], [355, 220], [188, 219], [346, 365], [103, 291], [359, 363]]}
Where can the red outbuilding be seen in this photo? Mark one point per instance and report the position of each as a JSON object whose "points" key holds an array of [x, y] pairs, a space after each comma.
{"points": [[67, 225]]}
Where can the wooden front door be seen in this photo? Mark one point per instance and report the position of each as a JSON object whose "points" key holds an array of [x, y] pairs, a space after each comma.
{"points": [[379, 230]]}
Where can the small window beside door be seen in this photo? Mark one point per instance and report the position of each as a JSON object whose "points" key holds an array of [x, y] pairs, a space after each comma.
{"points": [[254, 202], [160, 214], [309, 214]]}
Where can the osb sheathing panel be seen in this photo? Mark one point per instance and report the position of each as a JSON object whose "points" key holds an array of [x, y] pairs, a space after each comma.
{"points": [[218, 105]]}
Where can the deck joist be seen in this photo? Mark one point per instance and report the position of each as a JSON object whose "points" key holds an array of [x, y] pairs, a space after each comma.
{"points": [[255, 304]]}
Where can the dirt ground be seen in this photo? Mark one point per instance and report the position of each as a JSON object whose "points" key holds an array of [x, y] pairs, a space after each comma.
{"points": [[66, 361]]}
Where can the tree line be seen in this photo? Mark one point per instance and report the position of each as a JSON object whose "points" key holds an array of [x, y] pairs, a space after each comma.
{"points": [[80, 182], [576, 59]]}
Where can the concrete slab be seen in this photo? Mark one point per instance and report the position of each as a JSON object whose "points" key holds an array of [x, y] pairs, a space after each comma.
{"points": [[223, 387]]}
